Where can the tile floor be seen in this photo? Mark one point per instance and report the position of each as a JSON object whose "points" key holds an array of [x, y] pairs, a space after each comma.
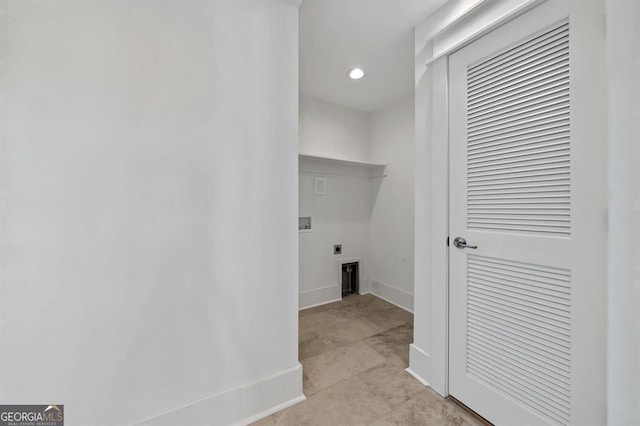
{"points": [[354, 353]]}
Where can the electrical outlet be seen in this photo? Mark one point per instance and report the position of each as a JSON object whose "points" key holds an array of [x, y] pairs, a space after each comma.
{"points": [[337, 249]]}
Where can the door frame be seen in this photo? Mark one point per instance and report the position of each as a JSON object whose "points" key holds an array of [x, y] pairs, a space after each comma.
{"points": [[429, 353], [430, 350]]}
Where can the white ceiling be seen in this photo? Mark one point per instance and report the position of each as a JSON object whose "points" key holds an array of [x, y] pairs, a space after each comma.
{"points": [[376, 35]]}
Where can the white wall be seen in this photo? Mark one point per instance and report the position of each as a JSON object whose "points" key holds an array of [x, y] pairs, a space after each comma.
{"points": [[342, 216], [391, 228], [623, 67], [330, 130], [146, 177], [372, 217]]}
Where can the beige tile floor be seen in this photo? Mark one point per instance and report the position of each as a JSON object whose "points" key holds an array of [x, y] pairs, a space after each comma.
{"points": [[354, 353]]}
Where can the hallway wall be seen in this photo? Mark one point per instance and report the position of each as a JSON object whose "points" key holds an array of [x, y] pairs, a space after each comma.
{"points": [[391, 228], [145, 178]]}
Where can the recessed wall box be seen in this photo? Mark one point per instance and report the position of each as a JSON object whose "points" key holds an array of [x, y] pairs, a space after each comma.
{"points": [[304, 224]]}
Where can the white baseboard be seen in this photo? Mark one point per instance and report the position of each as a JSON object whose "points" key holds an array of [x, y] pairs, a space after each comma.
{"points": [[398, 297], [272, 410], [241, 405], [415, 376], [419, 363], [318, 304], [319, 296], [333, 293], [365, 285]]}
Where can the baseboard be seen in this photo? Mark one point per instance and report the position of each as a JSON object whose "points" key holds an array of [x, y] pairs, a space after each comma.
{"points": [[319, 304], [419, 363], [273, 410], [416, 376], [319, 296], [365, 286], [398, 297], [241, 405]]}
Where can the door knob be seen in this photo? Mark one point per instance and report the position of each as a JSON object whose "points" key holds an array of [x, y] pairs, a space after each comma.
{"points": [[461, 243]]}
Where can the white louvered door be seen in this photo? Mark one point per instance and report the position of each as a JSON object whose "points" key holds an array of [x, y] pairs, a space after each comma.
{"points": [[513, 172]]}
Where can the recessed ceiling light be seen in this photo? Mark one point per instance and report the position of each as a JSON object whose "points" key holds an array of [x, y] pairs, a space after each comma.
{"points": [[355, 73]]}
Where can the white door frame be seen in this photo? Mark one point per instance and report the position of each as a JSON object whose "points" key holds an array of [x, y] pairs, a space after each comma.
{"points": [[429, 352]]}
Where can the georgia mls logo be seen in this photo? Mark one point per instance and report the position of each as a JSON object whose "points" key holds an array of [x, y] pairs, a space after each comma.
{"points": [[32, 415], [56, 410]]}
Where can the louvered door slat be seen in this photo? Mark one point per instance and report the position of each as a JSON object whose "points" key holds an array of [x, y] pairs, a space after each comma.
{"points": [[524, 373], [512, 55], [498, 294], [520, 81], [511, 386], [518, 181], [523, 150], [532, 179], [513, 105], [513, 145], [524, 327], [557, 108], [539, 172], [541, 84], [547, 385], [518, 109], [545, 60], [516, 147]]}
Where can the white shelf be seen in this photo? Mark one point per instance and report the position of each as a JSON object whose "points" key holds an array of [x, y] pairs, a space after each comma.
{"points": [[376, 169]]}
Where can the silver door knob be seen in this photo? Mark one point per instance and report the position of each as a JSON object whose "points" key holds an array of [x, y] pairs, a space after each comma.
{"points": [[461, 243]]}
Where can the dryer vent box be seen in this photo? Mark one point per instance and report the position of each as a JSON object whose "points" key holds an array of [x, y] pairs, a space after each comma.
{"points": [[350, 278]]}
